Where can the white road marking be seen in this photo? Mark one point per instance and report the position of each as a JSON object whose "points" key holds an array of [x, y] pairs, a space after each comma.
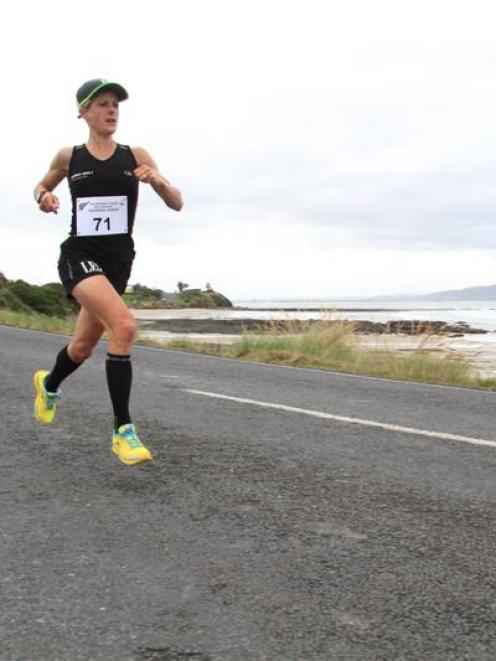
{"points": [[445, 436]]}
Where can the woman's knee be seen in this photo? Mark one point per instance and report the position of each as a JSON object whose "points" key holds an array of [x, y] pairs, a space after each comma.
{"points": [[124, 331]]}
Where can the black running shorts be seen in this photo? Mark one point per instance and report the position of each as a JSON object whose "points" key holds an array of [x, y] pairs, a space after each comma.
{"points": [[74, 268]]}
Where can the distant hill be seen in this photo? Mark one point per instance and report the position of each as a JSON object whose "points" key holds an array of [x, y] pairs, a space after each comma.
{"points": [[486, 293]]}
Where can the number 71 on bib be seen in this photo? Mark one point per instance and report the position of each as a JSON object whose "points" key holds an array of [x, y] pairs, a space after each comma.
{"points": [[101, 216]]}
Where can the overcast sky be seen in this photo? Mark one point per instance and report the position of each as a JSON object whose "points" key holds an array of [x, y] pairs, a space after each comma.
{"points": [[323, 149]]}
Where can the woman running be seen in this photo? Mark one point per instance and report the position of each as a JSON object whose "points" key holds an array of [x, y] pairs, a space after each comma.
{"points": [[95, 261]]}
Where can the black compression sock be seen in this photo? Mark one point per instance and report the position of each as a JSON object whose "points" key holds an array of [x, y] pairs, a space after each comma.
{"points": [[119, 379], [64, 365]]}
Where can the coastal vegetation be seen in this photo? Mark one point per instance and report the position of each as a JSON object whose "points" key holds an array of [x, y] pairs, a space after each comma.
{"points": [[315, 345], [36, 321], [50, 299], [336, 347], [139, 296], [47, 308]]}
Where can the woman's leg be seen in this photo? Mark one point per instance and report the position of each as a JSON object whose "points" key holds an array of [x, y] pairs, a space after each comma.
{"points": [[99, 298], [101, 309], [101, 301], [87, 332]]}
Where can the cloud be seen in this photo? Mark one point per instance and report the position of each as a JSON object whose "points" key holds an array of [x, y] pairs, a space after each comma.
{"points": [[313, 142]]}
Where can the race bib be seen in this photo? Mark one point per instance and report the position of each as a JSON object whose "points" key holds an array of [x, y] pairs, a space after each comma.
{"points": [[101, 216]]}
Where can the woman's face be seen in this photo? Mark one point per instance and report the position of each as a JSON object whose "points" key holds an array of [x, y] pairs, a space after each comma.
{"points": [[102, 114]]}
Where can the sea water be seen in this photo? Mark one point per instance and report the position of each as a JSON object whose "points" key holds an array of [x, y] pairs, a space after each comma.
{"points": [[477, 314]]}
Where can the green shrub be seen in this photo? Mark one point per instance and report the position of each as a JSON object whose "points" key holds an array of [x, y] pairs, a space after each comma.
{"points": [[196, 298], [44, 299]]}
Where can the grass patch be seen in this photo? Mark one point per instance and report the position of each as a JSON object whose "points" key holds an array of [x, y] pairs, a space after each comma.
{"points": [[37, 321], [335, 347]]}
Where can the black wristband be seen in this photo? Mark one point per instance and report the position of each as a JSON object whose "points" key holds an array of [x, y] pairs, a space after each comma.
{"points": [[40, 195]]}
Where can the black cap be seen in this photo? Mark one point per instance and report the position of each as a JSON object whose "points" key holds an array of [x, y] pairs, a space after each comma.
{"points": [[88, 90]]}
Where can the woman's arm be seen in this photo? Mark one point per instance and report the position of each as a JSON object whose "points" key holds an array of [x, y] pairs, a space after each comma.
{"points": [[59, 167], [148, 173]]}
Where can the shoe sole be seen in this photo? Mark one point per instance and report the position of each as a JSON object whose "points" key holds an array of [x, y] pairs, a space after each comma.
{"points": [[131, 462]]}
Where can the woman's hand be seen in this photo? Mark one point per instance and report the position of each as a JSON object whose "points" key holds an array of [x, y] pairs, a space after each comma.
{"points": [[148, 175], [148, 172], [49, 203]]}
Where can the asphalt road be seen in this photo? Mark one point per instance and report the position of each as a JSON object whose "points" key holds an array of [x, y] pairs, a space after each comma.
{"points": [[259, 532]]}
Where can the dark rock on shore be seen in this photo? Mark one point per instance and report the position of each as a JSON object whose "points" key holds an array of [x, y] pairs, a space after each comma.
{"points": [[240, 326], [217, 326], [417, 327]]}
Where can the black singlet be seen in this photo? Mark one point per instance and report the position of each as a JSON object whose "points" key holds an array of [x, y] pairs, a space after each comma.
{"points": [[90, 178]]}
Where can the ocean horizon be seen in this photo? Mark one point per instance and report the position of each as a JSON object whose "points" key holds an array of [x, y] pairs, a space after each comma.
{"points": [[477, 314]]}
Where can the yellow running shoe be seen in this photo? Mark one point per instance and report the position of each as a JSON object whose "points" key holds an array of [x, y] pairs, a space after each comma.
{"points": [[45, 406], [128, 447]]}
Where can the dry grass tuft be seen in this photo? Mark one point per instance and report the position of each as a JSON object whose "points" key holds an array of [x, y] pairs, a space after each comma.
{"points": [[335, 347]]}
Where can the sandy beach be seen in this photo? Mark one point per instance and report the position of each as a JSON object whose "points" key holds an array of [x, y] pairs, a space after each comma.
{"points": [[479, 350]]}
